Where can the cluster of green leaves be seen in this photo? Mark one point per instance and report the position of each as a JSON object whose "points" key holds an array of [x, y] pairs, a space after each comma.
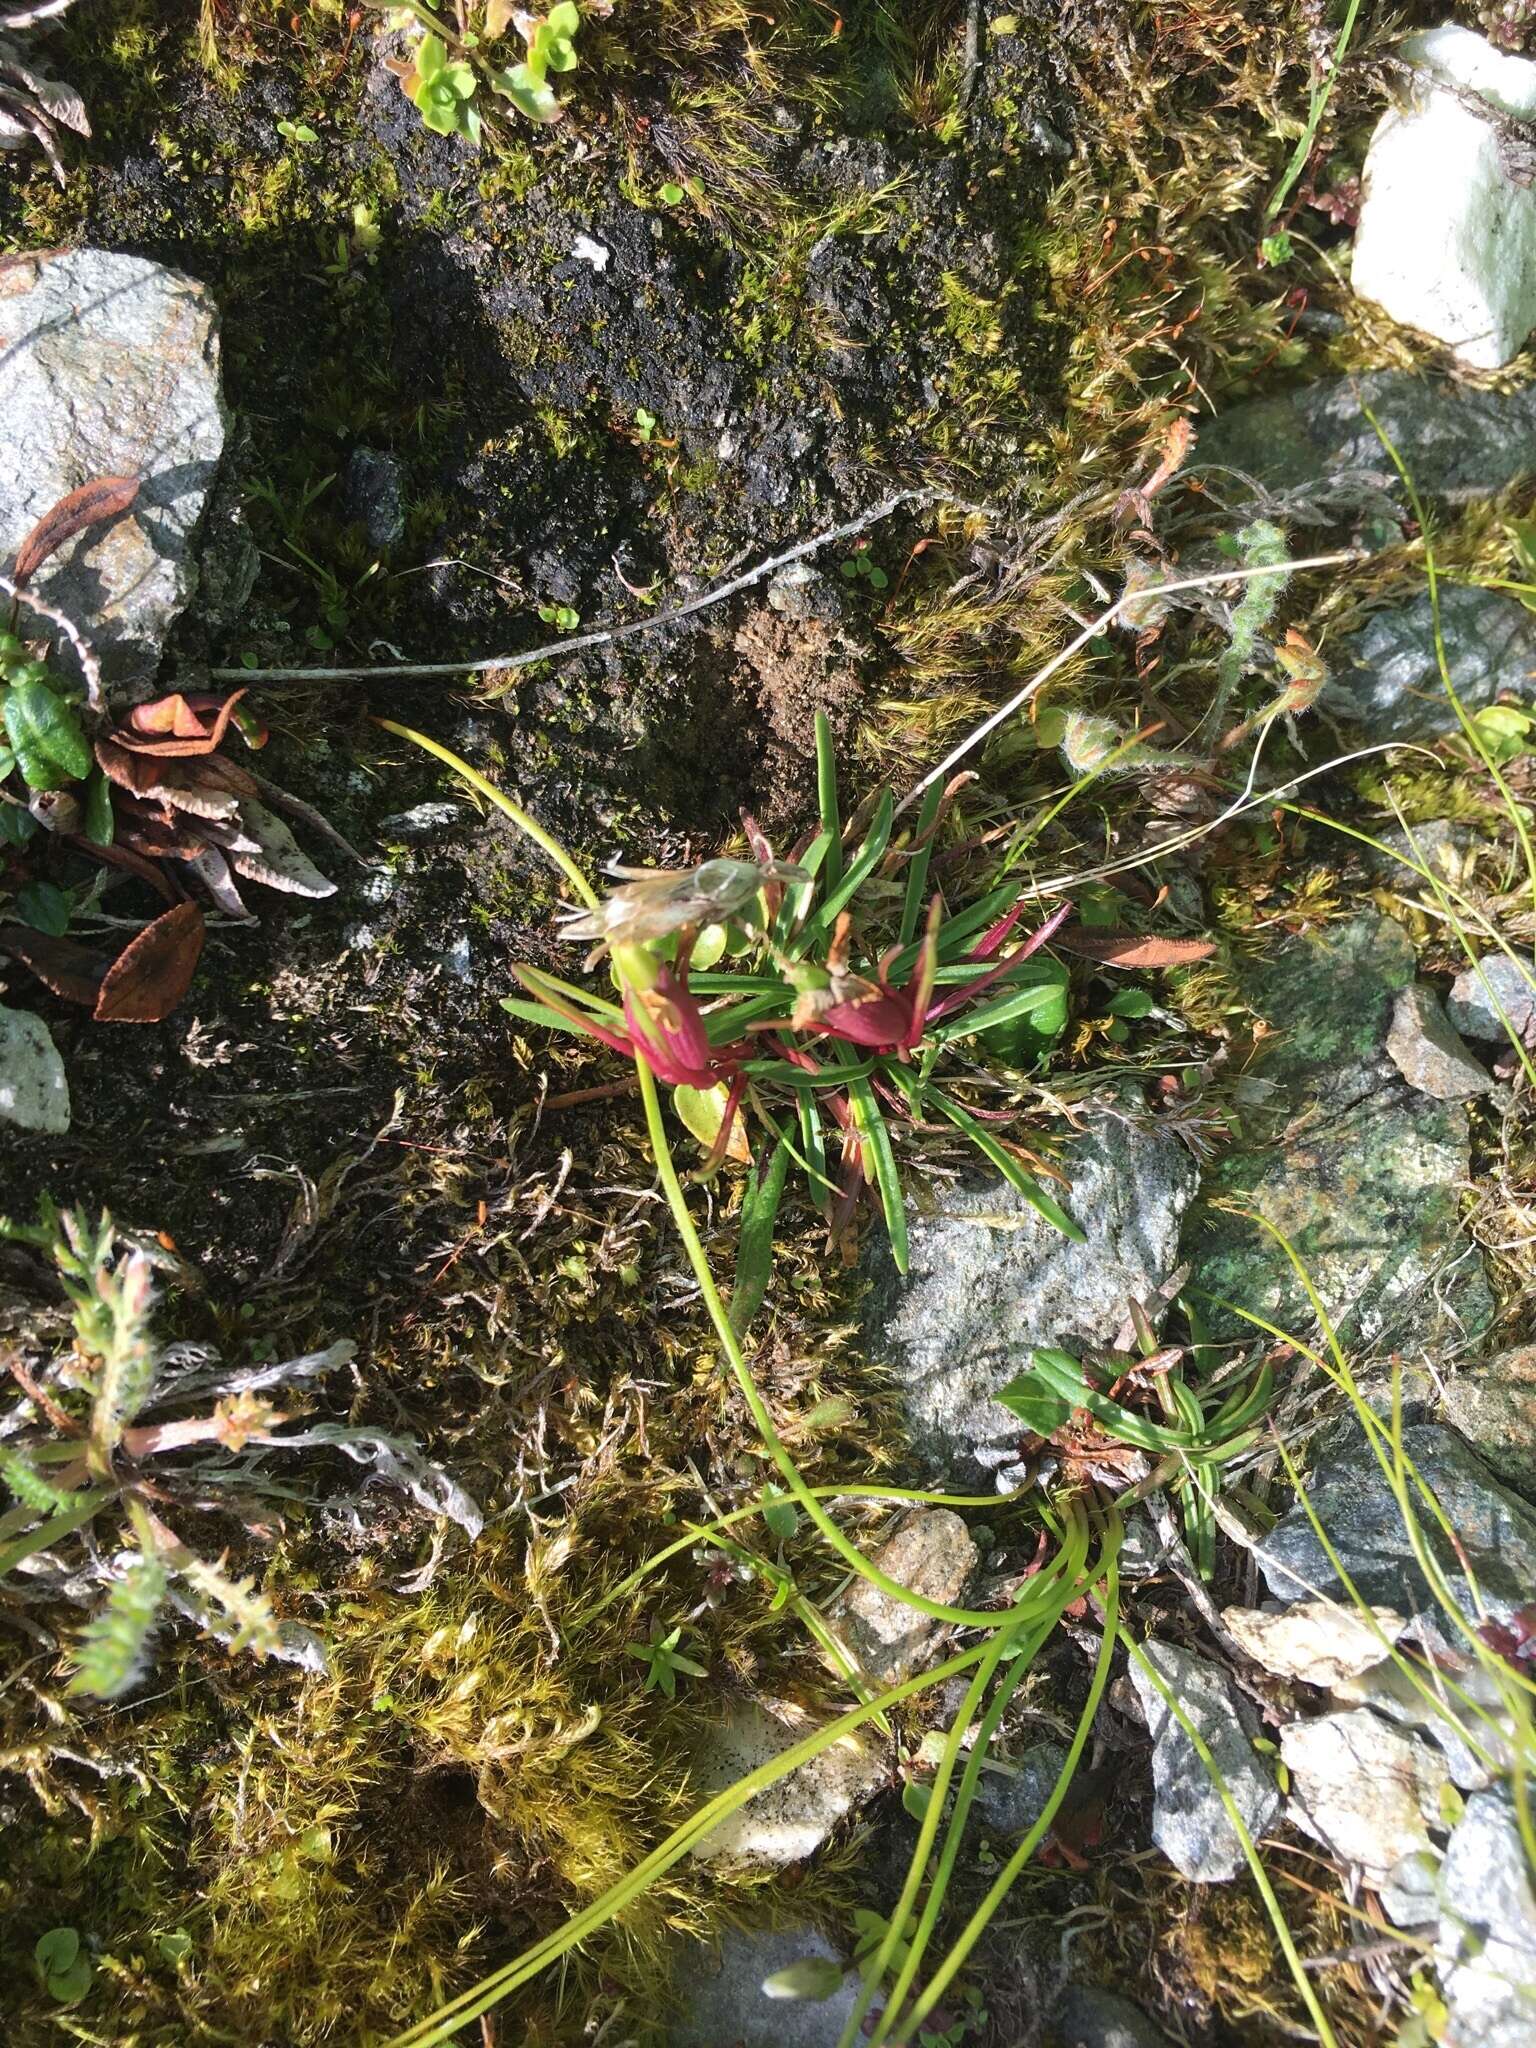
{"points": [[1203, 1422], [451, 62], [862, 565], [43, 750]]}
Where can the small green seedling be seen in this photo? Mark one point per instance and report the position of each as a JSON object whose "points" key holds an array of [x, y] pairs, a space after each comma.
{"points": [[863, 564], [442, 90], [561, 616], [645, 424], [298, 132], [551, 47], [1276, 250], [64, 1971], [671, 194], [175, 1947], [663, 1660]]}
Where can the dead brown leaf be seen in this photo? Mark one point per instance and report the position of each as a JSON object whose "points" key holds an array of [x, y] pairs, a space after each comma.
{"points": [[1132, 949], [154, 970], [107, 497]]}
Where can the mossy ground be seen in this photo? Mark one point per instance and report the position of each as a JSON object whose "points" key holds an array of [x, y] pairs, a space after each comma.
{"points": [[882, 271]]}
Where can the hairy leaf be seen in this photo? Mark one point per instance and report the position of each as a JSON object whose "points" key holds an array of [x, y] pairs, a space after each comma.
{"points": [[34, 1489], [112, 1650]]}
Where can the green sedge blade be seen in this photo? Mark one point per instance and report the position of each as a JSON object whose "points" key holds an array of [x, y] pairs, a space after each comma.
{"points": [[880, 1160], [826, 799], [1008, 1166], [754, 1250]]}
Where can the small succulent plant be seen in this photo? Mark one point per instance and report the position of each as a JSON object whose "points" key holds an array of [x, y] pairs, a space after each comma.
{"points": [[34, 105], [453, 59]]}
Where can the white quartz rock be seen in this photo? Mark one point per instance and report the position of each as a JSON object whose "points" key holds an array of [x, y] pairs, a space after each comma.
{"points": [[1447, 237]]}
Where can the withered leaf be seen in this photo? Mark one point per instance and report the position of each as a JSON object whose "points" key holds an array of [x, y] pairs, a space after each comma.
{"points": [[154, 970], [266, 851], [178, 725], [1132, 949], [212, 870], [105, 498], [62, 965], [119, 856]]}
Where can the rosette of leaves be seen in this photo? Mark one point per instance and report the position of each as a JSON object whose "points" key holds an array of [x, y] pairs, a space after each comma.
{"points": [[453, 59], [34, 105], [442, 90]]}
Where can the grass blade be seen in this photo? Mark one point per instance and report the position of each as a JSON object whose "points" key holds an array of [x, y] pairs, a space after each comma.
{"points": [[754, 1250], [1015, 1175]]}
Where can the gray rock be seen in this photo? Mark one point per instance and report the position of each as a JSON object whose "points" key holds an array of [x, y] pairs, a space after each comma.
{"points": [[1012, 1791], [1367, 1791], [1479, 993], [1387, 678], [1363, 1175], [1493, 1405], [1428, 1051], [109, 366], [373, 491], [989, 1279], [1088, 2017], [1442, 847], [1315, 445], [790, 1819], [1487, 1941], [931, 1554], [34, 1090], [1314, 1642], [1409, 1893], [724, 2006], [1351, 1498], [422, 821], [1189, 1822], [1444, 1720]]}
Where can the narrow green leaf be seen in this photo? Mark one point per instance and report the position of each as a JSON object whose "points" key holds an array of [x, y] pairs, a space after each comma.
{"points": [[754, 1246], [880, 1158], [917, 866], [1007, 1166], [826, 799]]}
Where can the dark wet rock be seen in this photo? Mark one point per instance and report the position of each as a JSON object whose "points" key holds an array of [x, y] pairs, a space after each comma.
{"points": [[723, 2001], [1493, 1405], [1086, 2016], [989, 1279], [1012, 1791], [1317, 448], [374, 494], [1386, 676], [1428, 1051], [1479, 993], [930, 1554], [109, 366], [1362, 1173], [1487, 1937], [1189, 1822], [1350, 1496]]}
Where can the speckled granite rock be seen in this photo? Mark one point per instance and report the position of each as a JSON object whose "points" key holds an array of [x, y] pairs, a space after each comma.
{"points": [[109, 366], [1493, 1405], [931, 1554], [792, 1818], [1189, 1822], [989, 1279], [723, 2001], [1362, 1173]]}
